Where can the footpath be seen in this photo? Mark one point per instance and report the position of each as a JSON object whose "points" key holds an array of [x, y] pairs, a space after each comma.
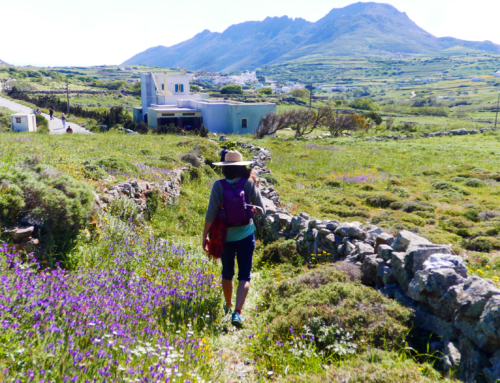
{"points": [[55, 125]]}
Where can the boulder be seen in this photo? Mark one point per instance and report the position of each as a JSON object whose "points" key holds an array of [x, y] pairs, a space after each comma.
{"points": [[446, 261], [384, 252], [451, 357], [384, 274], [474, 296], [437, 281], [416, 255], [329, 241], [369, 269], [446, 306], [32, 220], [415, 293], [269, 205], [489, 323], [492, 374], [470, 360], [362, 249], [402, 274], [349, 229], [429, 321], [18, 233], [406, 238], [389, 239]]}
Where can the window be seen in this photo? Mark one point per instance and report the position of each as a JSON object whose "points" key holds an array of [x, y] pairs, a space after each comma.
{"points": [[189, 114], [176, 87], [18, 120], [179, 87], [162, 86], [244, 122], [167, 114], [182, 87]]}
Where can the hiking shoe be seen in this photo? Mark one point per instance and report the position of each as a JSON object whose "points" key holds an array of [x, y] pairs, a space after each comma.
{"points": [[237, 320], [227, 310]]}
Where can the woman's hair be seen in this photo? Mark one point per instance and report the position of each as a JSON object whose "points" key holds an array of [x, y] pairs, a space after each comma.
{"points": [[232, 172]]}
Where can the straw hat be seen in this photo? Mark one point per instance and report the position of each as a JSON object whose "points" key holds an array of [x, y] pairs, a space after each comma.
{"points": [[233, 158]]}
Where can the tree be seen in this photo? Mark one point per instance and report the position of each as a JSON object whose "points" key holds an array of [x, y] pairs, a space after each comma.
{"points": [[389, 123], [304, 121], [231, 89], [267, 91], [373, 117], [338, 123], [194, 88], [338, 103], [270, 124], [300, 93], [364, 104]]}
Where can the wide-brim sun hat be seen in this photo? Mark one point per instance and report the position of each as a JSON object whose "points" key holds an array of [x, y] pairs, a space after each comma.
{"points": [[233, 157]]}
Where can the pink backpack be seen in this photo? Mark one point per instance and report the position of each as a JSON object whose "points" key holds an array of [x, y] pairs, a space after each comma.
{"points": [[235, 211]]}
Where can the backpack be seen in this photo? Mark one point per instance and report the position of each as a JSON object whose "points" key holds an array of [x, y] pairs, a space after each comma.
{"points": [[234, 210]]}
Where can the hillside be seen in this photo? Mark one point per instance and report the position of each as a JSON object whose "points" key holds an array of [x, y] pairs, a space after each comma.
{"points": [[361, 29], [3, 62]]}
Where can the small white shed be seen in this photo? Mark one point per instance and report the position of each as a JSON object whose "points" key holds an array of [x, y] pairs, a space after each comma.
{"points": [[23, 122]]}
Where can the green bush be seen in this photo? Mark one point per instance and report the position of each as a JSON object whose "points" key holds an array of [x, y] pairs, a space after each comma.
{"points": [[231, 89], [334, 183], [270, 178], [474, 182], [62, 203], [42, 125], [208, 153], [125, 208], [457, 179], [119, 164], [192, 158], [485, 244], [327, 293], [282, 251], [400, 191], [448, 187], [381, 200], [93, 171]]}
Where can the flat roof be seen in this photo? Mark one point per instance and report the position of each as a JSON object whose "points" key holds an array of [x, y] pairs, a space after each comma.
{"points": [[21, 114], [172, 109]]}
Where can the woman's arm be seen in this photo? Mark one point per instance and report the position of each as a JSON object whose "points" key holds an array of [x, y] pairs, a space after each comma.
{"points": [[205, 240]]}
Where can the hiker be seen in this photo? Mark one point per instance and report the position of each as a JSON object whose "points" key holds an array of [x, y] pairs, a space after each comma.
{"points": [[51, 113], [63, 119], [38, 111], [229, 228], [223, 153], [69, 130]]}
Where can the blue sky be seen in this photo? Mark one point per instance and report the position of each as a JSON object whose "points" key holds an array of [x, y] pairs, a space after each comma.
{"points": [[97, 32]]}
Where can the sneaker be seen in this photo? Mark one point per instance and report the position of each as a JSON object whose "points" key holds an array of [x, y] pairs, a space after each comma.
{"points": [[227, 310], [237, 320]]}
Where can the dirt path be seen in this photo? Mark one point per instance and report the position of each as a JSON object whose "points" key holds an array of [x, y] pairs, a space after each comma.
{"points": [[413, 94]]}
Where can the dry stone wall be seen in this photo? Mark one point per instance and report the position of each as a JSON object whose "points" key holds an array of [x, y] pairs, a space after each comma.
{"points": [[464, 311]]}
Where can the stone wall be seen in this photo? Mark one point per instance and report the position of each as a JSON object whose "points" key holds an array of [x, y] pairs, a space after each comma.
{"points": [[464, 311]]}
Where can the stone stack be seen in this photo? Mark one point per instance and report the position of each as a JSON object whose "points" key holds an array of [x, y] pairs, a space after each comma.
{"points": [[140, 190], [464, 311]]}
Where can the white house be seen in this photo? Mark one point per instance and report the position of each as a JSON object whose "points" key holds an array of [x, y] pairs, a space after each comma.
{"points": [[497, 74], [23, 122], [166, 100]]}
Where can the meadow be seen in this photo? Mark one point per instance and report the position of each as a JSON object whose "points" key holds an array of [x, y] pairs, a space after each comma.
{"points": [[146, 303]]}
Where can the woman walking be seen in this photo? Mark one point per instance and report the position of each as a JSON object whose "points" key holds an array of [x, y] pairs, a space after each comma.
{"points": [[63, 119], [233, 202]]}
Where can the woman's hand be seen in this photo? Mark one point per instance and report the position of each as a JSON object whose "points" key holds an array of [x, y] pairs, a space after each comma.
{"points": [[205, 244]]}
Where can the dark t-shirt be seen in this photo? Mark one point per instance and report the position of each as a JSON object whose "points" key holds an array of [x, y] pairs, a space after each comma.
{"points": [[223, 155]]}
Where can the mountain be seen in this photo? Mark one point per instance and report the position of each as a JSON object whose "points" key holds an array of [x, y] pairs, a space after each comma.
{"points": [[361, 29], [3, 63]]}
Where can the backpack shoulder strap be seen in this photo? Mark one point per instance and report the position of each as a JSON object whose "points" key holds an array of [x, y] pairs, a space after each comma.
{"points": [[225, 184]]}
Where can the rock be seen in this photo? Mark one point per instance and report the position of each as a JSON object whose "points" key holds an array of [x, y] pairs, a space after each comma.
{"points": [[332, 225], [489, 323], [492, 374], [429, 321], [451, 357], [304, 215], [369, 269], [349, 248], [29, 245], [446, 306], [32, 220], [474, 296], [469, 360], [18, 233], [384, 274], [349, 229], [437, 281], [363, 250], [406, 238], [390, 290], [325, 231], [389, 239], [384, 252], [373, 230], [446, 261], [416, 255], [269, 205], [402, 274], [415, 293], [329, 241]]}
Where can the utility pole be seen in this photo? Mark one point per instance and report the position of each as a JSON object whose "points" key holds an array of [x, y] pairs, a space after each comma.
{"points": [[498, 103], [67, 93]]}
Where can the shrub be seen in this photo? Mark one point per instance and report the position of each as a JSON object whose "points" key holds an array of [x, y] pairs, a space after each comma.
{"points": [[411, 206], [270, 178], [334, 183], [204, 131], [457, 179], [449, 187], [195, 174], [42, 125], [93, 171], [231, 89], [192, 158], [281, 251], [485, 244], [60, 202], [118, 163], [208, 153], [367, 187], [266, 91], [400, 191], [152, 204], [125, 208], [381, 200], [328, 294], [474, 182]]}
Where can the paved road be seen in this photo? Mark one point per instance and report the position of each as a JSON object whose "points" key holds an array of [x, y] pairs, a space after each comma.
{"points": [[55, 125]]}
